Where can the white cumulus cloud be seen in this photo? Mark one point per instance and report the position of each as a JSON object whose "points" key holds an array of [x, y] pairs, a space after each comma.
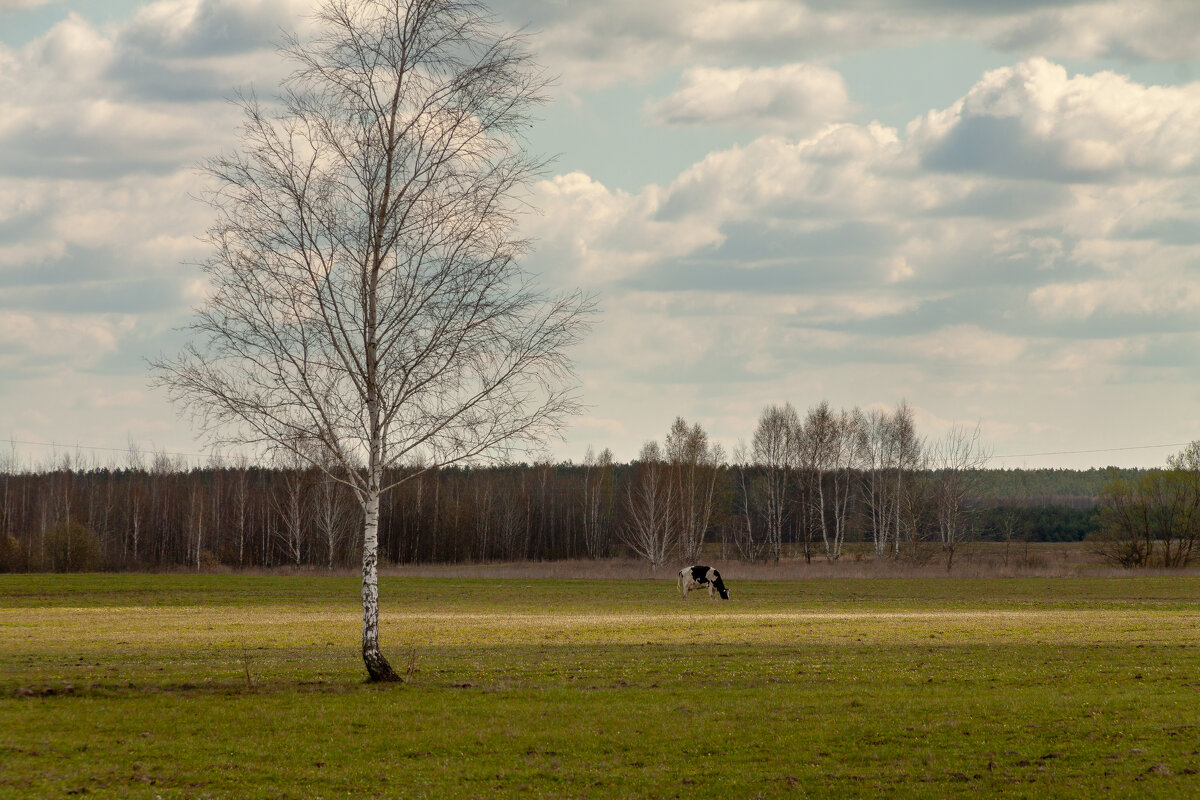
{"points": [[1033, 120]]}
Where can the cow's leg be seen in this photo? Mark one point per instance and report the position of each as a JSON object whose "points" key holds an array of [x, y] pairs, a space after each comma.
{"points": [[683, 588]]}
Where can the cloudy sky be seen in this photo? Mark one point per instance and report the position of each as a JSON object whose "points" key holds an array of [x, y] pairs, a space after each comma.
{"points": [[990, 209]]}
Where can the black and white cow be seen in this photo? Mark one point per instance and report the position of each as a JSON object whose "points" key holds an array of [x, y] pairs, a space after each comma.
{"points": [[697, 576]]}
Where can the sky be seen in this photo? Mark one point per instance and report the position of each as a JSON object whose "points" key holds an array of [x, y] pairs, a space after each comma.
{"points": [[990, 210]]}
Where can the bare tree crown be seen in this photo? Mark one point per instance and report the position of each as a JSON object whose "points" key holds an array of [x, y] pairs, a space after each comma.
{"points": [[366, 290]]}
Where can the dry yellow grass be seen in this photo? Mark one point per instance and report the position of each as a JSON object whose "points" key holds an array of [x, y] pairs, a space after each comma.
{"points": [[81, 629], [971, 560]]}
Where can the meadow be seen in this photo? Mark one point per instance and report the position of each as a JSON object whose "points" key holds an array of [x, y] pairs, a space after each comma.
{"points": [[250, 686]]}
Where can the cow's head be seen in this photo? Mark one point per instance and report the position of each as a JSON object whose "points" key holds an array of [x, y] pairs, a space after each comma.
{"points": [[719, 585]]}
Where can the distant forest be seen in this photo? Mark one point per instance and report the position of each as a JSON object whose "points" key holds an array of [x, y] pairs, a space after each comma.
{"points": [[1042, 487], [162, 517]]}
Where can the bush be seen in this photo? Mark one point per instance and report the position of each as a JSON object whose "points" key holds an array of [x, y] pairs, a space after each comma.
{"points": [[1153, 518], [72, 547], [11, 557]]}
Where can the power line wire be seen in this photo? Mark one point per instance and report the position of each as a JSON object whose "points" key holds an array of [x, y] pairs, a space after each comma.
{"points": [[1082, 452], [107, 449]]}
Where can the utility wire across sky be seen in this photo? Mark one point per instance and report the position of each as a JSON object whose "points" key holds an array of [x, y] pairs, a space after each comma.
{"points": [[148, 450], [1083, 452]]}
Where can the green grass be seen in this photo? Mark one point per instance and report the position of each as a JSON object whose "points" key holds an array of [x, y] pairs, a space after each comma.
{"points": [[235, 686]]}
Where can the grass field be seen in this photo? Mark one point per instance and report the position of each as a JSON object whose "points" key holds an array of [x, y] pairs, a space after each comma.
{"points": [[250, 686]]}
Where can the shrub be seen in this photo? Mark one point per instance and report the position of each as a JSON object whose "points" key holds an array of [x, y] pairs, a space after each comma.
{"points": [[12, 559], [72, 547], [1155, 517]]}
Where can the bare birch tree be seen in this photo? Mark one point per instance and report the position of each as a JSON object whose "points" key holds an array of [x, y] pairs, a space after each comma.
{"points": [[597, 501], [806, 476], [825, 432], [647, 531], [137, 498], [196, 524], [331, 519], [694, 466], [846, 458], [774, 448], [908, 454], [365, 287], [831, 453], [877, 453], [750, 547], [288, 500], [956, 460], [240, 503]]}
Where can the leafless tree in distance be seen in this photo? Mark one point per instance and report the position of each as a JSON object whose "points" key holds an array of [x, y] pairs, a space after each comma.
{"points": [[908, 457], [774, 448], [833, 443], [597, 501], [750, 546], [956, 461], [876, 450], [366, 298], [695, 464], [649, 499]]}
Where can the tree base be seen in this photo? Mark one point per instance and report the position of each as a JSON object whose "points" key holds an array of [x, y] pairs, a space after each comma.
{"points": [[378, 668]]}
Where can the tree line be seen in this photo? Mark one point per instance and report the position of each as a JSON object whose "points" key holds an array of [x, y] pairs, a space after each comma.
{"points": [[803, 486]]}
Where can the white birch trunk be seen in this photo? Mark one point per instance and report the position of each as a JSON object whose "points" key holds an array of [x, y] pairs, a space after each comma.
{"points": [[377, 666], [821, 514]]}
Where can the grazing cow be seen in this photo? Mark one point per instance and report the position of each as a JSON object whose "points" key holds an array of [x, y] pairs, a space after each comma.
{"points": [[695, 577]]}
